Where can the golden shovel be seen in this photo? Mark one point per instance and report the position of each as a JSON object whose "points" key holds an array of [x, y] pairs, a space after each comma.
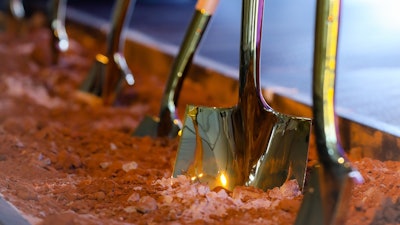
{"points": [[250, 143], [106, 75], [168, 123], [329, 189]]}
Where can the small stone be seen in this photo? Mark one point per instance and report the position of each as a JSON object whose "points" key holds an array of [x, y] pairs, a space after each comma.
{"points": [[19, 144], [138, 188], [129, 166], [105, 165], [113, 146], [167, 199], [146, 204], [43, 161], [134, 197], [130, 209]]}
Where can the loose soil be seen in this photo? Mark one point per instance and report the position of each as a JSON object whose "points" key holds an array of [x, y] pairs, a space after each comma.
{"points": [[67, 159]]}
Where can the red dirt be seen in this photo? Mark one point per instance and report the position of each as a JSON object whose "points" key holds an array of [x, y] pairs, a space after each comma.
{"points": [[66, 160]]}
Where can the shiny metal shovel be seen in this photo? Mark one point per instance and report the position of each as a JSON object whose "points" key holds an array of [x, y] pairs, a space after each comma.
{"points": [[327, 195], [106, 75], [250, 143], [60, 40], [168, 123]]}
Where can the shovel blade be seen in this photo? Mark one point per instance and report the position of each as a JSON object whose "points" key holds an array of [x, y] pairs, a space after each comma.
{"points": [[98, 80], [152, 126], [326, 197], [148, 127], [93, 83], [206, 151], [211, 150], [286, 152]]}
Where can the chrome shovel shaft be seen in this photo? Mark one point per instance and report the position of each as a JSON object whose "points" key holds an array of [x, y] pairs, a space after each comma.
{"points": [[326, 197], [168, 123], [60, 41], [121, 15], [110, 69], [199, 22], [117, 69]]}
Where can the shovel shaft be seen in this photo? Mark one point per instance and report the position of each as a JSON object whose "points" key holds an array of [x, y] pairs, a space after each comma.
{"points": [[116, 62], [56, 14], [326, 39], [330, 153], [203, 12], [326, 200], [121, 14], [250, 45]]}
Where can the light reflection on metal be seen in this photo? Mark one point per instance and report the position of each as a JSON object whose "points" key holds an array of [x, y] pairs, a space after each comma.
{"points": [[102, 58], [16, 8], [110, 71], [251, 143], [63, 45], [56, 17], [329, 190], [168, 124], [223, 180]]}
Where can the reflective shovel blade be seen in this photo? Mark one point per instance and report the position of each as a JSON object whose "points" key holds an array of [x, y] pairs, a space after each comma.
{"points": [[151, 126], [211, 149], [147, 127], [93, 83], [207, 152], [286, 153]]}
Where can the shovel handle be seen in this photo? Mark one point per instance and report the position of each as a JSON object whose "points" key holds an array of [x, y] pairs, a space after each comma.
{"points": [[250, 93], [203, 11], [324, 75], [327, 198], [207, 6], [117, 68], [193, 36], [337, 168], [121, 13]]}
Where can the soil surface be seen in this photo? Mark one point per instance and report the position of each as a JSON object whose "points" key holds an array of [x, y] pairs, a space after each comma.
{"points": [[66, 159]]}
